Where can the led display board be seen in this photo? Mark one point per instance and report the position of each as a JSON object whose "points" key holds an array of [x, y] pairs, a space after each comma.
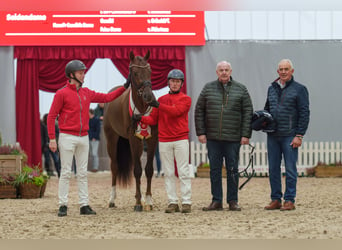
{"points": [[55, 28]]}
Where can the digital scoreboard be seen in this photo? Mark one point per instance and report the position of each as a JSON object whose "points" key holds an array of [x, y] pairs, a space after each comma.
{"points": [[52, 28]]}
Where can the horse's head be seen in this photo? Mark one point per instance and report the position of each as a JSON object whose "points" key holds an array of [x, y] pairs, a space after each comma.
{"points": [[140, 76]]}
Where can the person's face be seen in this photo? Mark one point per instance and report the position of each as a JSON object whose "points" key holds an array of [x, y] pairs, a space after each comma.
{"points": [[80, 74], [223, 72], [285, 71], [175, 84]]}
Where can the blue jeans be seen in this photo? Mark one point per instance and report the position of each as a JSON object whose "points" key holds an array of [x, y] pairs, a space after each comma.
{"points": [[229, 151], [278, 146]]}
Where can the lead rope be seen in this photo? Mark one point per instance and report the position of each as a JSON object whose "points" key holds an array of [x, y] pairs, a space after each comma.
{"points": [[250, 165]]}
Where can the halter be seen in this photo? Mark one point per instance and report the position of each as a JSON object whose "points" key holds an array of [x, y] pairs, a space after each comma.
{"points": [[140, 89]]}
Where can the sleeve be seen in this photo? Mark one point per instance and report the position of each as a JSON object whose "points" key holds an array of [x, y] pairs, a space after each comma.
{"points": [[303, 111], [247, 113], [106, 97], [180, 107], [200, 113], [267, 104], [55, 109], [152, 119]]}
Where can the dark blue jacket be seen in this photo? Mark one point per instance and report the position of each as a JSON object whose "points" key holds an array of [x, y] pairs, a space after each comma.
{"points": [[94, 128], [289, 107]]}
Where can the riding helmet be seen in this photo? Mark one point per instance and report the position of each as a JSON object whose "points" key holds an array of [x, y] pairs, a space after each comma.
{"points": [[73, 66], [175, 74], [263, 120]]}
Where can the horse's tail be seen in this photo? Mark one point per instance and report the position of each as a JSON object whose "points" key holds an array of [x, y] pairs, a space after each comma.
{"points": [[124, 161]]}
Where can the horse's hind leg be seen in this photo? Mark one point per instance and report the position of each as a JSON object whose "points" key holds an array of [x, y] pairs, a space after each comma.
{"points": [[113, 190], [112, 140]]}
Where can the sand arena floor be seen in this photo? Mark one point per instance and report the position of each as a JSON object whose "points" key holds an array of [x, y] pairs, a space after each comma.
{"points": [[318, 213]]}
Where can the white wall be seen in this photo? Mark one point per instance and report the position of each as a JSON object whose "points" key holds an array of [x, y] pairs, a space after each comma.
{"points": [[7, 96], [273, 25]]}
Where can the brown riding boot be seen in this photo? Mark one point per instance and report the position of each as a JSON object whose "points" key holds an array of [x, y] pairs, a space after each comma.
{"points": [[214, 206], [234, 206], [288, 205], [186, 208], [275, 204], [172, 208]]}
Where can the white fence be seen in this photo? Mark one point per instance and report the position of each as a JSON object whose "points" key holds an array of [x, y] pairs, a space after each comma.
{"points": [[309, 154]]}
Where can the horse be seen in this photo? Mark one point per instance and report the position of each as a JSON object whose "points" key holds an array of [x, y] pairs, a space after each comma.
{"points": [[124, 143]]}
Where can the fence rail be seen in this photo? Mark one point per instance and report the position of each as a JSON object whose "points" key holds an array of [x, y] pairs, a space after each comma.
{"points": [[309, 154]]}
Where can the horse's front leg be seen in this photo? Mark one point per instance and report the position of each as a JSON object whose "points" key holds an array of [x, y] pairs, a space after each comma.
{"points": [[149, 173], [151, 145], [137, 148]]}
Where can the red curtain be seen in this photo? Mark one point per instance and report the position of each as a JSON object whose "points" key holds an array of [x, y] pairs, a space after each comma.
{"points": [[43, 68]]}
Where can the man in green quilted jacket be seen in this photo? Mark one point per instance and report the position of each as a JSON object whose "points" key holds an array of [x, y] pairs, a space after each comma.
{"points": [[223, 116]]}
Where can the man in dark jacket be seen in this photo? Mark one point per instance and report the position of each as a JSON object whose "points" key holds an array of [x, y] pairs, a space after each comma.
{"points": [[223, 116], [288, 103]]}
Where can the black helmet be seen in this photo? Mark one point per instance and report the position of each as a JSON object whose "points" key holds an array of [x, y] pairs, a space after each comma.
{"points": [[175, 74], [73, 66], [263, 120]]}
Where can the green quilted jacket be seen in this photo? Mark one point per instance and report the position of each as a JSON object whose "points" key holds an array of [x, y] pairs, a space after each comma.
{"points": [[224, 114]]}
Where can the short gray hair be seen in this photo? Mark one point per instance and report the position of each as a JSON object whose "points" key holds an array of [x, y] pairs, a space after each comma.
{"points": [[286, 60], [223, 62]]}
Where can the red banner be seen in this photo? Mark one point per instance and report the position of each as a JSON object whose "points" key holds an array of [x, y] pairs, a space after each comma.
{"points": [[101, 28]]}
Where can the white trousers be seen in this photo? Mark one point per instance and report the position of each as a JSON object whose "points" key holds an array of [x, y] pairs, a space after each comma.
{"points": [[70, 145], [179, 151]]}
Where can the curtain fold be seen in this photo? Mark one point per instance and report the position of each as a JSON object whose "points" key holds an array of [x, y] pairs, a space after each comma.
{"points": [[43, 68], [27, 109], [52, 73]]}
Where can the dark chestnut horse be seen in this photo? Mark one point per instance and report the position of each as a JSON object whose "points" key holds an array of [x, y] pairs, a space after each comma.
{"points": [[124, 143]]}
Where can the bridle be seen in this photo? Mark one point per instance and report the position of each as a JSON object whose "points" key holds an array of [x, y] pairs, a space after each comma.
{"points": [[140, 89], [244, 172]]}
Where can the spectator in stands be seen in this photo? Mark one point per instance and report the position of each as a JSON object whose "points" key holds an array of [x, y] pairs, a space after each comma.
{"points": [[45, 147], [48, 152], [94, 139], [99, 111]]}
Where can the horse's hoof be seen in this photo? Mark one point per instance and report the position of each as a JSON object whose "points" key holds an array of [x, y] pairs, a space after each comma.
{"points": [[138, 208], [112, 204], [148, 208]]}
